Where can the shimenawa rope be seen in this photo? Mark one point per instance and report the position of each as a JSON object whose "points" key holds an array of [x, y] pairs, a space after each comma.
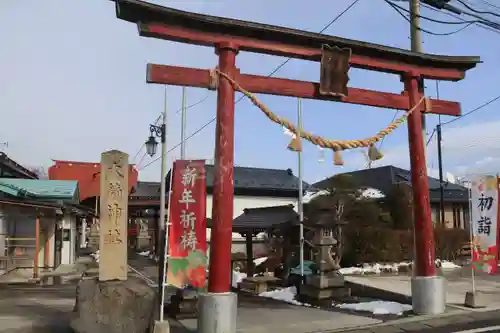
{"points": [[335, 145]]}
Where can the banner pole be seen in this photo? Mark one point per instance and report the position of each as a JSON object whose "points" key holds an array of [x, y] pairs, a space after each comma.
{"points": [[471, 237], [166, 256]]}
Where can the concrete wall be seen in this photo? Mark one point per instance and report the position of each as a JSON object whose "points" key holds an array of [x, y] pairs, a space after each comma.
{"points": [[242, 202], [69, 243]]}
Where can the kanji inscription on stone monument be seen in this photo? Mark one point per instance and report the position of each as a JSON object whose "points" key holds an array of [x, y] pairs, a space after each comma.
{"points": [[113, 216]]}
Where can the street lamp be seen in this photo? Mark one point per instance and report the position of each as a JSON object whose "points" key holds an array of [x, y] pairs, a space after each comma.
{"points": [[151, 146], [151, 143]]}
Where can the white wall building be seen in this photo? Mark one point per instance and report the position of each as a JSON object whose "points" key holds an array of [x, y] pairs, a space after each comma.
{"points": [[255, 188]]}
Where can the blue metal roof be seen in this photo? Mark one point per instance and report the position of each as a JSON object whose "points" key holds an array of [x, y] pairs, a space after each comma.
{"points": [[65, 190]]}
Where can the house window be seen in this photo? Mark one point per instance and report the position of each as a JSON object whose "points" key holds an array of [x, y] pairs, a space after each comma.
{"points": [[466, 218], [435, 215], [456, 217]]}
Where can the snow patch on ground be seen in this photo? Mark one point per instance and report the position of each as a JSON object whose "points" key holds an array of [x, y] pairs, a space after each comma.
{"points": [[283, 294], [378, 307], [144, 253], [449, 265], [377, 268]]}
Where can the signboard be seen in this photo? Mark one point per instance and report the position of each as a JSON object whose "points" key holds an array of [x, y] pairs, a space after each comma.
{"points": [[187, 245], [484, 217]]}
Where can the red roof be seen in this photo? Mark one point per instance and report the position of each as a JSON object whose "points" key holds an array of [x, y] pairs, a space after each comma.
{"points": [[88, 176]]}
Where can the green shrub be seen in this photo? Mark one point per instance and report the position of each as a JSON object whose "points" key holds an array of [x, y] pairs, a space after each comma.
{"points": [[382, 244]]}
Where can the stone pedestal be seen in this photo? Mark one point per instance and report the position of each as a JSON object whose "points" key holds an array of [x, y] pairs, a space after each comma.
{"points": [[143, 242], [218, 313], [94, 237], [113, 306], [184, 304], [428, 295], [474, 300]]}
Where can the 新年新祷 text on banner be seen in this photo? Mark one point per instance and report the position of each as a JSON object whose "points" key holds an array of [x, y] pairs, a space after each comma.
{"points": [[187, 246]]}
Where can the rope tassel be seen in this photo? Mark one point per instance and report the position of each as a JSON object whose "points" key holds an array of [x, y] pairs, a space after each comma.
{"points": [[337, 158], [374, 154], [295, 144]]}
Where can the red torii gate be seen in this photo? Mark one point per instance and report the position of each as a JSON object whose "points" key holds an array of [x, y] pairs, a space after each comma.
{"points": [[229, 36]]}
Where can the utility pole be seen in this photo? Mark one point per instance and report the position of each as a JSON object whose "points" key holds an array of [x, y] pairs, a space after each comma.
{"points": [[300, 205], [162, 235], [183, 124], [427, 289], [440, 163], [416, 42]]}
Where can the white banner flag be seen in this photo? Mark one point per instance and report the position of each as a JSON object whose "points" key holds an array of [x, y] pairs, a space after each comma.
{"points": [[484, 210]]}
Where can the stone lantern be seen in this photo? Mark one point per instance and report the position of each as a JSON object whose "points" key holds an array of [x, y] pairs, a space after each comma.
{"points": [[327, 282]]}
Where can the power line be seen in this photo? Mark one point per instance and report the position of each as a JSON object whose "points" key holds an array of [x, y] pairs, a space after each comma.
{"points": [[477, 11], [489, 4], [474, 110], [398, 10], [269, 75], [158, 119], [430, 137], [431, 19], [194, 104], [488, 25]]}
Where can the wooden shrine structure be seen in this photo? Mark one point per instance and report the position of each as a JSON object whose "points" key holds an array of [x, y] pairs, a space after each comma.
{"points": [[337, 55]]}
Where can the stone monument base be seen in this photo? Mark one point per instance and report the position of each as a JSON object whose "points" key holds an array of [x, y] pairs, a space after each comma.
{"points": [[324, 286], [332, 293], [113, 306]]}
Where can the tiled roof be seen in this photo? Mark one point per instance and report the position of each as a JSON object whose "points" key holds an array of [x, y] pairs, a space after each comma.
{"points": [[146, 190], [265, 217], [382, 178], [65, 190], [260, 178], [15, 169]]}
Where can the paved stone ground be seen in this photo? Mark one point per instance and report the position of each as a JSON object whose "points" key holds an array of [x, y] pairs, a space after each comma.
{"points": [[257, 314], [458, 282], [36, 309], [443, 324]]}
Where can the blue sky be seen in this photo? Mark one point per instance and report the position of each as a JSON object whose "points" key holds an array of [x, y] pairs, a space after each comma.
{"points": [[73, 85]]}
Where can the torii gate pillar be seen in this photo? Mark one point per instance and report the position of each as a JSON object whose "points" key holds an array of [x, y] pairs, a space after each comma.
{"points": [[427, 289], [218, 307]]}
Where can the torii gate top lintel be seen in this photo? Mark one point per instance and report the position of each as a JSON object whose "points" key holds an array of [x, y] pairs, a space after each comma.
{"points": [[177, 25]]}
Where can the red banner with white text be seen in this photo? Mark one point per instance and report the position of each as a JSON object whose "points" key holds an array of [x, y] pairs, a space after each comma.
{"points": [[187, 245]]}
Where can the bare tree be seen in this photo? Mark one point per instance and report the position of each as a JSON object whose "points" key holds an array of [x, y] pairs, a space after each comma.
{"points": [[40, 171]]}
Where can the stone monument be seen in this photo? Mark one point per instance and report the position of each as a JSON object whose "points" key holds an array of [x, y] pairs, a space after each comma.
{"points": [[113, 216], [326, 283], [143, 238], [112, 303]]}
